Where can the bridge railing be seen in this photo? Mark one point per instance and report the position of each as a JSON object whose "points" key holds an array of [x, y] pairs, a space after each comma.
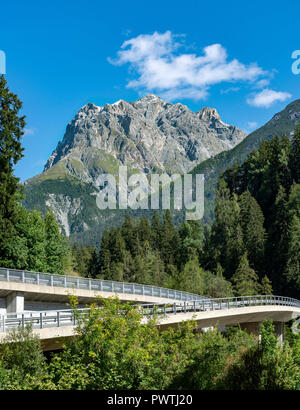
{"points": [[58, 318], [39, 320], [219, 304], [75, 282]]}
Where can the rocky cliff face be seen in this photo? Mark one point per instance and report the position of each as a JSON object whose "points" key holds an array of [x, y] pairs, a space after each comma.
{"points": [[148, 135]]}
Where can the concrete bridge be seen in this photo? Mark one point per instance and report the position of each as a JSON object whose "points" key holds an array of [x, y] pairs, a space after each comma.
{"points": [[52, 322], [37, 291]]}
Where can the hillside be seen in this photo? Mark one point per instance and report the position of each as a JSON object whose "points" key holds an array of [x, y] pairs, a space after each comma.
{"points": [[282, 123]]}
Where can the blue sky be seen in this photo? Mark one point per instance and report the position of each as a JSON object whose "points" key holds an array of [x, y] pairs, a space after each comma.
{"points": [[234, 56]]}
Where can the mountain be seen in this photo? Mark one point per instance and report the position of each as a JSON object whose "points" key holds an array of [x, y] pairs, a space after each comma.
{"points": [[282, 123], [148, 135]]}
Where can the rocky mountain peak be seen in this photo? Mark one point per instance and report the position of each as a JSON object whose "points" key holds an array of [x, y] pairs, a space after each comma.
{"points": [[150, 98], [208, 114], [147, 134]]}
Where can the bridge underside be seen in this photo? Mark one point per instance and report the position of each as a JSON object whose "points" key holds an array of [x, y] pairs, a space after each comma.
{"points": [[234, 316]]}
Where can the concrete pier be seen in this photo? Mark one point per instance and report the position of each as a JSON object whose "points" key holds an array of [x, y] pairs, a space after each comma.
{"points": [[15, 302]]}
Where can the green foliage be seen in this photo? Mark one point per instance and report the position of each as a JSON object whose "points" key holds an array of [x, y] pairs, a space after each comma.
{"points": [[11, 131], [114, 350], [22, 363], [265, 366], [159, 254], [245, 279], [266, 286], [216, 286], [192, 278]]}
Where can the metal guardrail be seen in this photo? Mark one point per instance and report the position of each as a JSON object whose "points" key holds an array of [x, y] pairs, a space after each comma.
{"points": [[58, 318], [74, 282], [39, 320]]}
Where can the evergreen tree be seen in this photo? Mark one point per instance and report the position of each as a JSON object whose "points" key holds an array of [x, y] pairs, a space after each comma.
{"points": [[266, 286], [278, 239], [254, 234], [36, 243], [11, 131], [156, 227], [245, 279], [105, 252], [169, 240], [129, 235], [295, 156], [56, 246], [93, 263], [227, 235], [191, 240], [192, 277], [149, 268], [116, 272], [292, 270], [144, 230]]}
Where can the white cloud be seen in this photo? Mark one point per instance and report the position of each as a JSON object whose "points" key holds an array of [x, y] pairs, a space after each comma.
{"points": [[267, 97], [230, 90], [252, 124], [262, 83], [161, 68]]}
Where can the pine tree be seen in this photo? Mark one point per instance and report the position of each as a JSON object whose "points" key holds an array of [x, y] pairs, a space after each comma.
{"points": [[227, 235], [169, 240], [56, 245], [266, 286], [278, 239], [129, 235], [144, 230], [93, 263], [245, 279], [149, 268], [105, 252], [11, 131], [192, 277], [216, 286], [254, 234], [36, 242], [156, 227], [292, 270], [295, 156], [191, 240]]}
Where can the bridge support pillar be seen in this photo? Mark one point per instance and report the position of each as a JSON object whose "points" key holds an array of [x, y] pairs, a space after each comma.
{"points": [[251, 328], [279, 331], [15, 302]]}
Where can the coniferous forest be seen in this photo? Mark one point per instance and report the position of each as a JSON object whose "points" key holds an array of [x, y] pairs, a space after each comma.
{"points": [[252, 247]]}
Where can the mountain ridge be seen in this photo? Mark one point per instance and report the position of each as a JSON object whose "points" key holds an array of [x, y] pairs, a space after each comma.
{"points": [[148, 134]]}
